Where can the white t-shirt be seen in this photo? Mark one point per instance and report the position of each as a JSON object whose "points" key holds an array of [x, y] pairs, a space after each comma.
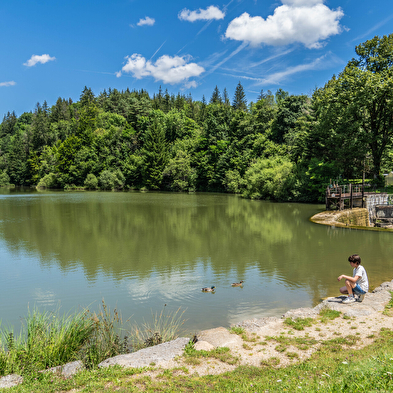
{"points": [[363, 280]]}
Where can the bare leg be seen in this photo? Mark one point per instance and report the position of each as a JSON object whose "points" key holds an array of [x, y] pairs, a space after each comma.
{"points": [[349, 285], [344, 290]]}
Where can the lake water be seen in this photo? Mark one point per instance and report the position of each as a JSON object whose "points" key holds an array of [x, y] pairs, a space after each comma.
{"points": [[140, 251]]}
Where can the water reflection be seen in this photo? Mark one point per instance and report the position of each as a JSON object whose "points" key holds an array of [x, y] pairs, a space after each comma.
{"points": [[139, 251]]}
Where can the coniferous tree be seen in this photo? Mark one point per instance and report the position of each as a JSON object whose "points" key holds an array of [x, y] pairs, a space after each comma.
{"points": [[216, 96], [225, 97], [239, 99], [155, 152]]}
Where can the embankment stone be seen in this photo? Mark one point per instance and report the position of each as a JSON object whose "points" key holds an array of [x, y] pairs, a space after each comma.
{"points": [[10, 380], [219, 337], [203, 346], [68, 370], [153, 355]]}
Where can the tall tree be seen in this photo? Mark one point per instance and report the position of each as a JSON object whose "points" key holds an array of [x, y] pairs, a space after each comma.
{"points": [[155, 152], [216, 96], [239, 99], [354, 111]]}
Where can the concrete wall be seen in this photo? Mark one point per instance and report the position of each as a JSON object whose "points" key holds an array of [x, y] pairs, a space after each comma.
{"points": [[343, 218], [385, 211], [372, 201], [357, 217]]}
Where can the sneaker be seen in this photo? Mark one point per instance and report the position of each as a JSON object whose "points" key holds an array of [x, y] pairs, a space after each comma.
{"points": [[349, 299], [360, 298]]}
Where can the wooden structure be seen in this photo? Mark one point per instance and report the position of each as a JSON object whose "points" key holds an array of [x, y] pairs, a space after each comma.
{"points": [[349, 195]]}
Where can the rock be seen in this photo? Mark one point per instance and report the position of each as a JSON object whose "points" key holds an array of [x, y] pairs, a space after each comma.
{"points": [[203, 346], [255, 324], [219, 337], [385, 286], [10, 380], [67, 370], [148, 356], [301, 313], [372, 303]]}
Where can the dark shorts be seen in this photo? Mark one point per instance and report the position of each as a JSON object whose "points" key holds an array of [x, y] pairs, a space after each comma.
{"points": [[357, 290]]}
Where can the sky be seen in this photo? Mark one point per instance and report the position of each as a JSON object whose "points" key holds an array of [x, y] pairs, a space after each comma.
{"points": [[52, 49]]}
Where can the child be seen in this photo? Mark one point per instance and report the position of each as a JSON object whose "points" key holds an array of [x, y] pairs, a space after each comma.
{"points": [[358, 284]]}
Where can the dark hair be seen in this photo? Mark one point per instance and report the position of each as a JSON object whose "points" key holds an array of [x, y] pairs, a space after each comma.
{"points": [[355, 259]]}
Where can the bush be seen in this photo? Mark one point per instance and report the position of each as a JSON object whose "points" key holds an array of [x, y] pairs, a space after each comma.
{"points": [[270, 179], [48, 181], [91, 182], [4, 179], [109, 180]]}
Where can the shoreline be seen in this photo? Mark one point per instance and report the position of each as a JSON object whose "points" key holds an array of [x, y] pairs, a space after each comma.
{"points": [[354, 219], [254, 342]]}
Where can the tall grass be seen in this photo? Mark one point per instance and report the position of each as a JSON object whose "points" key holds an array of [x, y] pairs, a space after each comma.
{"points": [[45, 340], [163, 327], [105, 340]]}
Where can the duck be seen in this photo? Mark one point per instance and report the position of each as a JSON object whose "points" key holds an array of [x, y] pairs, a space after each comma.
{"points": [[238, 284], [209, 289]]}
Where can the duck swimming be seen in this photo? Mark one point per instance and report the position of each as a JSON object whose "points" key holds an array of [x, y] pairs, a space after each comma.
{"points": [[209, 289], [237, 284]]}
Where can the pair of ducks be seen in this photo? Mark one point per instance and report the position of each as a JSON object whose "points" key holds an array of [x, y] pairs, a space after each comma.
{"points": [[213, 288]]}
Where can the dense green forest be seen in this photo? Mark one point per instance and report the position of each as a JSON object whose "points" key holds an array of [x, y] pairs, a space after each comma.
{"points": [[282, 147]]}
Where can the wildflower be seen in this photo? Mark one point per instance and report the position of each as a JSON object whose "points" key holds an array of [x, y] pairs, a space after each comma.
{"points": [[345, 362], [279, 380]]}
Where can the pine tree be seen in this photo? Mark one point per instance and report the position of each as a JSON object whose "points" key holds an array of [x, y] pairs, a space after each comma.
{"points": [[216, 96], [239, 100], [155, 151], [225, 97]]}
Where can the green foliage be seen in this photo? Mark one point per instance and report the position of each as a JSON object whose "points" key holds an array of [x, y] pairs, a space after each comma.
{"points": [[270, 179], [109, 180], [299, 323], [163, 327], [46, 340], [91, 182], [4, 178], [155, 152], [178, 174], [48, 181]]}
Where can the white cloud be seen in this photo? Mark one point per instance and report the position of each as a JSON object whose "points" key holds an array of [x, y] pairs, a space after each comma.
{"points": [[167, 69], [306, 21], [209, 13], [10, 83], [38, 59], [146, 22], [278, 77], [190, 84], [118, 74], [302, 3]]}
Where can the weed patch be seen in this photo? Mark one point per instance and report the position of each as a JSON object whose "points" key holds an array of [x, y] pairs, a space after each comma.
{"points": [[299, 323]]}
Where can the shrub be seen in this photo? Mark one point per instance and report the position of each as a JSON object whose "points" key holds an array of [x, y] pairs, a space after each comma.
{"points": [[4, 179], [270, 179], [48, 181], [91, 182]]}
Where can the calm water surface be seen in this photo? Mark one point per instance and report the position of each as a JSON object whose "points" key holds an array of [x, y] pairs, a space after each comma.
{"points": [[139, 251]]}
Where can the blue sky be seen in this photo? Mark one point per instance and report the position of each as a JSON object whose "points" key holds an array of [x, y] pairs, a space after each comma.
{"points": [[53, 49]]}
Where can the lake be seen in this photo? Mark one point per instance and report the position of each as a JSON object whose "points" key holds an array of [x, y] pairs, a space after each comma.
{"points": [[141, 251]]}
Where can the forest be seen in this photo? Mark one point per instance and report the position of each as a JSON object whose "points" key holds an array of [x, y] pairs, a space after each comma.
{"points": [[283, 147]]}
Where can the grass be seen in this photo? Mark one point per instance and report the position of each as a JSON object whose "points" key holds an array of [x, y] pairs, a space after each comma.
{"points": [[388, 311], [192, 356], [48, 339], [163, 327], [367, 370], [299, 323], [45, 340]]}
